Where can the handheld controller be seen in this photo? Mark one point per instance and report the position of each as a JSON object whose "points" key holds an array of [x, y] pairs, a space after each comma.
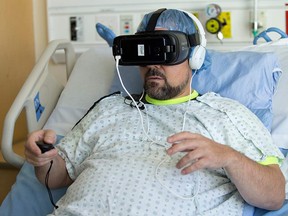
{"points": [[44, 146]]}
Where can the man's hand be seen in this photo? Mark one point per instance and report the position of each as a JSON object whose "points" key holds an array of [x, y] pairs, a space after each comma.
{"points": [[259, 185], [202, 152], [32, 151], [42, 161]]}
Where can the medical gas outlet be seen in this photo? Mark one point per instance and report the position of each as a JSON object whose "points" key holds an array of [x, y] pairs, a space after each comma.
{"points": [[218, 23]]}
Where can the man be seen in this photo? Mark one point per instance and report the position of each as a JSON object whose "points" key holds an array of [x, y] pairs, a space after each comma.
{"points": [[180, 154]]}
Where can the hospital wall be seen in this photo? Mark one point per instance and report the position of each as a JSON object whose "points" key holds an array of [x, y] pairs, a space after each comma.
{"points": [[75, 20], [17, 53], [16, 60], [23, 39]]}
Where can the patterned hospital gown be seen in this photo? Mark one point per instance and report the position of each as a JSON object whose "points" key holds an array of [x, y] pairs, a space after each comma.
{"points": [[120, 165]]}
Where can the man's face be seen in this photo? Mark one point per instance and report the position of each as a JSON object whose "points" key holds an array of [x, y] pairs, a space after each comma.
{"points": [[164, 82]]}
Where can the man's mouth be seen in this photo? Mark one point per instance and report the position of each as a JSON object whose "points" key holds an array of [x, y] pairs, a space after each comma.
{"points": [[154, 75], [154, 78]]}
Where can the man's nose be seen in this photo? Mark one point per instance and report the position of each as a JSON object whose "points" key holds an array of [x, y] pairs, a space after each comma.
{"points": [[154, 66]]}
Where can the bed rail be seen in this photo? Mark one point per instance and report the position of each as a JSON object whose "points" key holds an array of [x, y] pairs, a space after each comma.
{"points": [[38, 96]]}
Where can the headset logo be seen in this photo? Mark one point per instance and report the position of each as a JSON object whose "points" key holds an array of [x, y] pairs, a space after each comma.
{"points": [[141, 50]]}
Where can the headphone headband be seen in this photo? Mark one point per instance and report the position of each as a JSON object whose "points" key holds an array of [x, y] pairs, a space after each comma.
{"points": [[199, 26], [154, 17]]}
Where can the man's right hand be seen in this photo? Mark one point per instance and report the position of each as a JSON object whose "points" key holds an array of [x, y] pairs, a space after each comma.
{"points": [[33, 152]]}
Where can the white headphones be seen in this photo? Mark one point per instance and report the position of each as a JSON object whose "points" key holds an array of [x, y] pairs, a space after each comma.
{"points": [[197, 56]]}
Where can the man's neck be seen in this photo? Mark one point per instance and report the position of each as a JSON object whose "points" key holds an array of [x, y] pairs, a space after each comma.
{"points": [[172, 101]]}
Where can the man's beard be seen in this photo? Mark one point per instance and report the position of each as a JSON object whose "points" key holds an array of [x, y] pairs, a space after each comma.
{"points": [[154, 90]]}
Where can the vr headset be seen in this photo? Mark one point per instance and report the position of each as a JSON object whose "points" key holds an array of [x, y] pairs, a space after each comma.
{"points": [[154, 47]]}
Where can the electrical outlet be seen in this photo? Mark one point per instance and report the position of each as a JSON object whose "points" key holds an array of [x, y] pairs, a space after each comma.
{"points": [[126, 24], [76, 28]]}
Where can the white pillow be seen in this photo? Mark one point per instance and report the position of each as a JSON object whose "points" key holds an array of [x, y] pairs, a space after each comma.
{"points": [[280, 100], [93, 72]]}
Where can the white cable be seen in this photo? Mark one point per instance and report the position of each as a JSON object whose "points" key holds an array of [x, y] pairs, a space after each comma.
{"points": [[136, 105], [188, 104], [123, 86], [196, 188], [255, 26]]}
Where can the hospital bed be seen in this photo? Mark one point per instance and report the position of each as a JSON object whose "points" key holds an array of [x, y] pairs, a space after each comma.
{"points": [[250, 75]]}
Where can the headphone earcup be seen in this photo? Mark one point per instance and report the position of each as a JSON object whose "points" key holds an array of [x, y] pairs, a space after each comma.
{"points": [[197, 57]]}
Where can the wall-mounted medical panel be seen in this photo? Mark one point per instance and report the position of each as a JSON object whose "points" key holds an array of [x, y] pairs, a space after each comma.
{"points": [[75, 20]]}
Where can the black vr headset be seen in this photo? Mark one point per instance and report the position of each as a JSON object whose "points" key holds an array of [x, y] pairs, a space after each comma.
{"points": [[154, 47]]}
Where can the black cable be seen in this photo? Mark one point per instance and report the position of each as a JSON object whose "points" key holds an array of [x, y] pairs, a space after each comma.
{"points": [[47, 186]]}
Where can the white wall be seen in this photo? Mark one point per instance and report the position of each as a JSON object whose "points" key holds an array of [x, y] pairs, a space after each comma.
{"points": [[112, 13], [40, 26]]}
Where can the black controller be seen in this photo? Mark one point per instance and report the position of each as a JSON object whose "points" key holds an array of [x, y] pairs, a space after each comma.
{"points": [[44, 146]]}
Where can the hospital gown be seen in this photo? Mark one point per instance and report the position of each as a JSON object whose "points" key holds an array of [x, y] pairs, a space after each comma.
{"points": [[120, 166]]}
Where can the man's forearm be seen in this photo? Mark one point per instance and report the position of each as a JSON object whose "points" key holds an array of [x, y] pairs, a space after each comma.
{"points": [[58, 176], [261, 186]]}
